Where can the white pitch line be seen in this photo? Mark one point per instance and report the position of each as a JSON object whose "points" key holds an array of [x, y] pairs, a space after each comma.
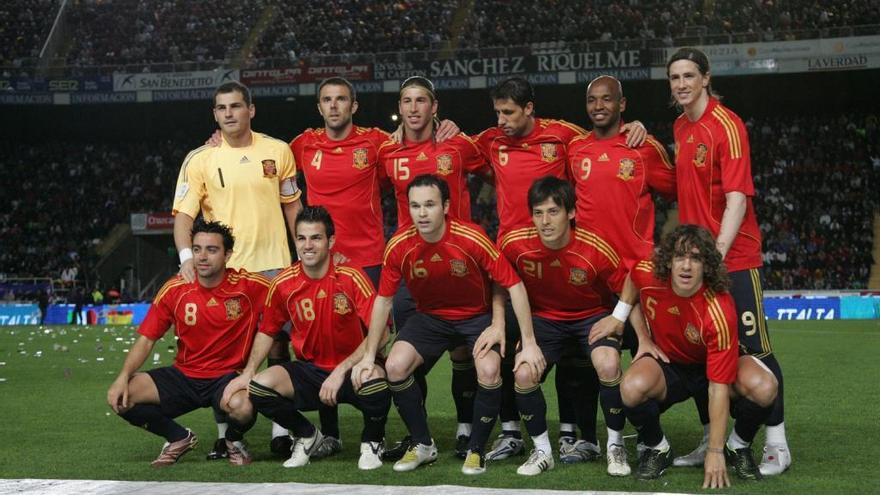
{"points": [[104, 487]]}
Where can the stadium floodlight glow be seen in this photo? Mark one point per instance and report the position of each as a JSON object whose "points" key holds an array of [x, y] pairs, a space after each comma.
{"points": [[395, 117]]}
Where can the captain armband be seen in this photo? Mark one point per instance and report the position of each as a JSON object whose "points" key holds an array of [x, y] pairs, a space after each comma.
{"points": [[289, 187]]}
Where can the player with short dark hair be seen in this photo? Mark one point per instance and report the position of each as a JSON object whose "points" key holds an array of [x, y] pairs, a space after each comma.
{"points": [[447, 265], [215, 319], [571, 276], [715, 189], [693, 348], [246, 181], [329, 306]]}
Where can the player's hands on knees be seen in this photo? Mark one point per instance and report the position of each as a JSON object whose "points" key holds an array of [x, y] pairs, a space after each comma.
{"points": [[117, 395], [531, 356], [447, 130], [493, 334], [215, 140], [363, 369], [605, 327], [339, 258], [241, 382], [715, 471], [188, 271], [648, 347], [330, 388], [636, 134]]}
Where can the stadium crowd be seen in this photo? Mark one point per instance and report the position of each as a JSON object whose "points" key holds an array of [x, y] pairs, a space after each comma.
{"points": [[145, 32], [24, 28], [816, 180]]}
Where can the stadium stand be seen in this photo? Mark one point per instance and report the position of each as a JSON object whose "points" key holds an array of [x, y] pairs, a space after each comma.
{"points": [[24, 27]]}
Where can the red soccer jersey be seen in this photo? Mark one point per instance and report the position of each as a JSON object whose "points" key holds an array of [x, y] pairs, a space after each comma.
{"points": [[449, 278], [517, 162], [451, 160], [343, 176], [572, 283], [614, 183], [215, 327], [690, 330], [711, 159], [329, 316]]}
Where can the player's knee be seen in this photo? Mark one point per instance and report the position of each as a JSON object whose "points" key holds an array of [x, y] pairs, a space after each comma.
{"points": [[633, 388], [240, 407], [397, 369], [488, 369], [607, 365], [758, 386], [523, 377]]}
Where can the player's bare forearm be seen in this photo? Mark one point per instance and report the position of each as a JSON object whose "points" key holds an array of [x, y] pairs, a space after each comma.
{"points": [[499, 297], [734, 213], [183, 224], [291, 210], [136, 357], [519, 299], [719, 411], [259, 352], [378, 326]]}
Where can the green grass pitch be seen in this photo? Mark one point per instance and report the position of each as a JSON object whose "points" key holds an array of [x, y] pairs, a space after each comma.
{"points": [[55, 423]]}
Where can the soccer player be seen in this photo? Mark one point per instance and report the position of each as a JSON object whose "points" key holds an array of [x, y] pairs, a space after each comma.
{"points": [[248, 183], [521, 149], [715, 189], [691, 315], [215, 318], [417, 153], [614, 181], [571, 276], [329, 306], [447, 265]]}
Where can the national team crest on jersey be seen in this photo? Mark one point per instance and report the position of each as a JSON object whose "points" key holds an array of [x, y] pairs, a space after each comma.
{"points": [[626, 169], [548, 152], [340, 304], [360, 158], [444, 164], [233, 309], [576, 276], [458, 268], [269, 170], [700, 156], [692, 334]]}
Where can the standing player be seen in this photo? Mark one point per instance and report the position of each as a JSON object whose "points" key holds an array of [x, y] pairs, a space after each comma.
{"points": [[571, 276], [329, 307], [715, 191], [614, 181], [417, 153], [215, 319], [248, 183], [447, 266], [691, 316], [520, 149]]}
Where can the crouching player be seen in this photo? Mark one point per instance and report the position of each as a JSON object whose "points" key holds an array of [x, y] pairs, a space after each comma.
{"points": [[446, 265], [692, 319], [329, 307], [571, 275], [215, 318]]}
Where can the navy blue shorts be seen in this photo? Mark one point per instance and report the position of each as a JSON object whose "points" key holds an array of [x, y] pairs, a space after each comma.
{"points": [[683, 381], [179, 394], [432, 336], [748, 295], [307, 380]]}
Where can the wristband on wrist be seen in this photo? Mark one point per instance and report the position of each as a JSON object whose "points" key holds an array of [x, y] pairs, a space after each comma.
{"points": [[185, 254], [621, 311], [714, 450]]}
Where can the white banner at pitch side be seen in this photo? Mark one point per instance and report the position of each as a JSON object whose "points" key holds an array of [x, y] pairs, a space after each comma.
{"points": [[800, 49], [173, 80]]}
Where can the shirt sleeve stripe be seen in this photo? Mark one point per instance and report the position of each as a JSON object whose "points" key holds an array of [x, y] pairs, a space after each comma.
{"points": [[256, 277], [358, 279], [285, 275], [730, 129], [174, 282], [580, 130], [719, 321], [397, 239], [510, 238], [598, 243], [475, 236], [661, 151], [189, 157]]}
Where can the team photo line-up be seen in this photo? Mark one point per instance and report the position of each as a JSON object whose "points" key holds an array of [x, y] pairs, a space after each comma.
{"points": [[573, 278]]}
